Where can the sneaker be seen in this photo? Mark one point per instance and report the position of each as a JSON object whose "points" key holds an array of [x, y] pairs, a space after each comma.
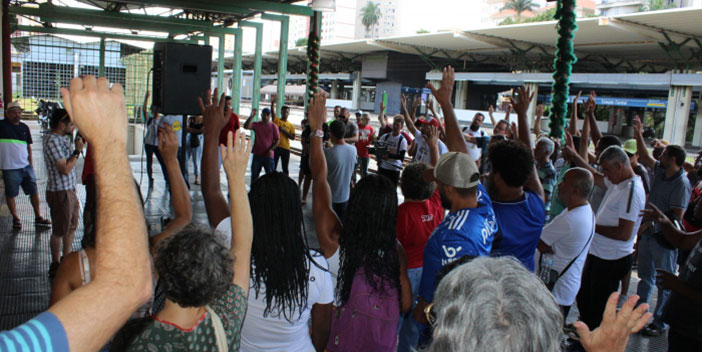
{"points": [[652, 331]]}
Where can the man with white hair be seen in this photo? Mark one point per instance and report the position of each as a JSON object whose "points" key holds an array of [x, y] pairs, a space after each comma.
{"points": [[544, 167], [617, 222]]}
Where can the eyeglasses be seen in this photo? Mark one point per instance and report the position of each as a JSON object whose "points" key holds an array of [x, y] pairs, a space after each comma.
{"points": [[430, 314]]}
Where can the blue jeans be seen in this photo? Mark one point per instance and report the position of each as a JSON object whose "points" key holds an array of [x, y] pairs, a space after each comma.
{"points": [[407, 328], [15, 178], [653, 256], [259, 162], [194, 153]]}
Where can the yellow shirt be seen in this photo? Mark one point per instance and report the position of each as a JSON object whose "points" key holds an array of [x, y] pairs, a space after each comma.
{"points": [[287, 126]]}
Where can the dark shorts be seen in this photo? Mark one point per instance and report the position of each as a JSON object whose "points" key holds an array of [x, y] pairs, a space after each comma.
{"points": [[305, 164], [24, 177], [65, 211]]}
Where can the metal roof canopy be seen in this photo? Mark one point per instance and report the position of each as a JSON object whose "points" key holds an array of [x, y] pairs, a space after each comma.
{"points": [[638, 38]]}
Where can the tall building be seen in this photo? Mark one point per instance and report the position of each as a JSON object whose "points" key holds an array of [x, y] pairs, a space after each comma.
{"points": [[620, 7]]}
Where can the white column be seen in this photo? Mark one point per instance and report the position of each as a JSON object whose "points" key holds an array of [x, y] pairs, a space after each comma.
{"points": [[677, 113], [356, 94], [461, 94], [697, 136], [531, 111]]}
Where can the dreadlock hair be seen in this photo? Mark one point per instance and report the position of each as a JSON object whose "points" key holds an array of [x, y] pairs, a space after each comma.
{"points": [[279, 253], [368, 238]]}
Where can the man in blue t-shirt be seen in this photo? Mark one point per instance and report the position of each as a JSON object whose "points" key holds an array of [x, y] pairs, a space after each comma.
{"points": [[468, 229], [516, 192]]}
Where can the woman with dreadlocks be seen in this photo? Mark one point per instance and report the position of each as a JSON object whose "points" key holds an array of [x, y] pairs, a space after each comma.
{"points": [[372, 286], [289, 283]]}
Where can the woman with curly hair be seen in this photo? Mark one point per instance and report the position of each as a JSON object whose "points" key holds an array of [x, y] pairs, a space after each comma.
{"points": [[205, 283], [372, 286]]}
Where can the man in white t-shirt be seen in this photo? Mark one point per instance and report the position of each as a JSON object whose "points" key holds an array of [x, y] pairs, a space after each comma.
{"points": [[471, 133], [395, 145], [567, 238], [422, 154], [617, 222]]}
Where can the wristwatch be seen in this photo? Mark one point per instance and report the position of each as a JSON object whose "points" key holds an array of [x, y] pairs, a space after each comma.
{"points": [[319, 133]]}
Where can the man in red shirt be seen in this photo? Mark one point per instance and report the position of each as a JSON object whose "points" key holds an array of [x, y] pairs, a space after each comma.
{"points": [[233, 123], [267, 139], [365, 136]]}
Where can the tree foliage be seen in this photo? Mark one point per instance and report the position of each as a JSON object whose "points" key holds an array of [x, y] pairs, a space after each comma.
{"points": [[301, 41], [519, 6], [370, 15], [542, 17]]}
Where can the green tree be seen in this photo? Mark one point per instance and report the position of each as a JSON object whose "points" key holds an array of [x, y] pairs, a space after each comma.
{"points": [[654, 5], [542, 17], [370, 15], [301, 42], [519, 6], [422, 31]]}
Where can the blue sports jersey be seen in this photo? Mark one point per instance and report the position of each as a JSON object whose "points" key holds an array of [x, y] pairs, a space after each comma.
{"points": [[519, 228], [465, 232], [42, 333]]}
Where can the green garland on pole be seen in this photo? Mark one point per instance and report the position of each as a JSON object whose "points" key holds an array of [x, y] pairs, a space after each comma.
{"points": [[313, 63], [562, 65]]}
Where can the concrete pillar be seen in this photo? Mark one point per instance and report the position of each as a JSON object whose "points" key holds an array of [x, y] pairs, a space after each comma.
{"points": [[356, 95], [677, 113], [531, 111], [697, 136], [334, 90], [461, 95]]}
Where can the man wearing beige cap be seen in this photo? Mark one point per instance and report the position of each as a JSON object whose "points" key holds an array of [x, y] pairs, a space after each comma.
{"points": [[16, 164]]}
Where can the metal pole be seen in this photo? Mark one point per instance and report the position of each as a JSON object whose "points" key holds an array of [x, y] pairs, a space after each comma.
{"points": [[236, 72], [220, 64], [282, 57], [101, 69], [256, 95], [6, 54]]}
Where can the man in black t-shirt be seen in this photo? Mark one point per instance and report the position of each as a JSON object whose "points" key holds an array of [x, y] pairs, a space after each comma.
{"points": [[16, 164]]}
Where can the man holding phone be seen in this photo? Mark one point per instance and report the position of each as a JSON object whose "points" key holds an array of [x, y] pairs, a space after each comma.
{"points": [[61, 161]]}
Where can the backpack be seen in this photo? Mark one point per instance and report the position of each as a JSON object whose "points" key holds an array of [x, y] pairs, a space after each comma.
{"points": [[368, 321]]}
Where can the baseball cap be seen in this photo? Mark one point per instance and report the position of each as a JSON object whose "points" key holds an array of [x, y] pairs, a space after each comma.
{"points": [[266, 111], [13, 105], [456, 170], [359, 112], [630, 146], [433, 122]]}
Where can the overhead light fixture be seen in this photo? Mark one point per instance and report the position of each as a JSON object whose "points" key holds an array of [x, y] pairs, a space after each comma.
{"points": [[324, 5]]}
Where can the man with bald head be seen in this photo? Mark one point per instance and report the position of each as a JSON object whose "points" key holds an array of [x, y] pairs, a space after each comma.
{"points": [[567, 238]]}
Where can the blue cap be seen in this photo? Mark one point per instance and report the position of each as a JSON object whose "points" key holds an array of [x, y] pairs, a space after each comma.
{"points": [[266, 111]]}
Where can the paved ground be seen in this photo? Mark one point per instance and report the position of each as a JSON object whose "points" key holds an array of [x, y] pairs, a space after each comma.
{"points": [[25, 254]]}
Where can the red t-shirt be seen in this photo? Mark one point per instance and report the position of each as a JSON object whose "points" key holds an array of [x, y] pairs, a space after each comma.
{"points": [[415, 223], [266, 134], [365, 134], [231, 126]]}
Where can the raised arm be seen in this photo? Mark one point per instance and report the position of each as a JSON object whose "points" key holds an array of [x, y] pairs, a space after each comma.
{"points": [[580, 162], [491, 111], [594, 130], [214, 120], [235, 158], [521, 104], [180, 197], [413, 111], [326, 222], [644, 156], [573, 127], [409, 121], [122, 281], [585, 135], [676, 237], [442, 130], [537, 119], [247, 123], [454, 138], [144, 109]]}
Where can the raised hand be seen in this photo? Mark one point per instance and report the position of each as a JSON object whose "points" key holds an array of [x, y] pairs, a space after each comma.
{"points": [[513, 130], [97, 110], [79, 143], [430, 104], [415, 104], [235, 156], [317, 113], [403, 102], [382, 107], [253, 113], [213, 113], [614, 332], [433, 137], [443, 94], [167, 141], [638, 126], [577, 97], [540, 110], [491, 110], [654, 214], [521, 104], [590, 103]]}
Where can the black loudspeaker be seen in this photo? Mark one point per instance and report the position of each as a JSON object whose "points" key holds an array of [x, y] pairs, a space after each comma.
{"points": [[182, 72]]}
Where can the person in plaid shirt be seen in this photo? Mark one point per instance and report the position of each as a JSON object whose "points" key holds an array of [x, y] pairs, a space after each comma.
{"points": [[60, 161], [547, 173]]}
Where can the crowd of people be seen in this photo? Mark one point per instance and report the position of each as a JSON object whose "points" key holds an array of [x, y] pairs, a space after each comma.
{"points": [[498, 236]]}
